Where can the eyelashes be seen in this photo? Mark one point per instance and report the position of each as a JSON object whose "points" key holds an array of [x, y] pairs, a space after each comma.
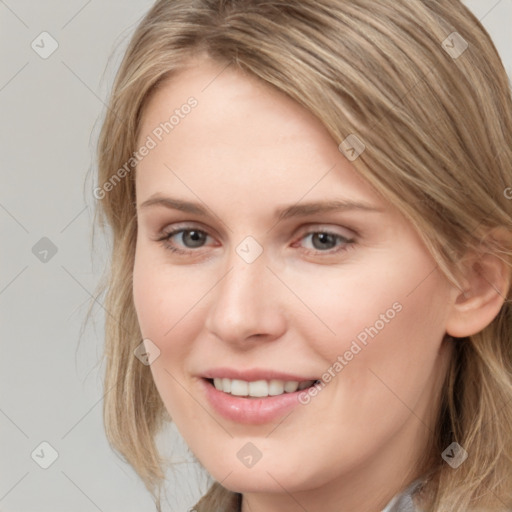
{"points": [[197, 237]]}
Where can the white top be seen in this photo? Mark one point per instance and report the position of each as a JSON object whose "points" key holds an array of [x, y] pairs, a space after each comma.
{"points": [[404, 502]]}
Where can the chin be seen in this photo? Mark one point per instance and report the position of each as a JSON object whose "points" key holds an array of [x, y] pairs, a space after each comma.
{"points": [[265, 477], [256, 482]]}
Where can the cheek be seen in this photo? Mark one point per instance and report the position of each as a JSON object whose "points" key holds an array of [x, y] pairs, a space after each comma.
{"points": [[170, 303], [387, 303], [382, 321], [165, 303], [388, 336], [163, 294]]}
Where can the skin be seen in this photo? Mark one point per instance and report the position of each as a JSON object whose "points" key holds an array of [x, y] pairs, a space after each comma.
{"points": [[243, 152]]}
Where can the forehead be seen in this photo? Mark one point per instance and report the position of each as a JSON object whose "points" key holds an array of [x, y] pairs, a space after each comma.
{"points": [[228, 99], [241, 133]]}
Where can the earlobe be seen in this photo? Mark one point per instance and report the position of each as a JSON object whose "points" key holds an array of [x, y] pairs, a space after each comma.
{"points": [[487, 283]]}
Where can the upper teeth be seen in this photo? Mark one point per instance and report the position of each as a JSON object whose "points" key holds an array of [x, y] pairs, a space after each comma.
{"points": [[259, 388]]}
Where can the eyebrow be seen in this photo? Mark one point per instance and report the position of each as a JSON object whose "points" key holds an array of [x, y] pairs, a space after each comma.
{"points": [[295, 210]]}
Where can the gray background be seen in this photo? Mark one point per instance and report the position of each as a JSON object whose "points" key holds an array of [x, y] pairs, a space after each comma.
{"points": [[51, 389]]}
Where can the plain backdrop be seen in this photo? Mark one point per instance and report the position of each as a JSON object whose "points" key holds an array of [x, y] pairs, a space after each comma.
{"points": [[51, 388]]}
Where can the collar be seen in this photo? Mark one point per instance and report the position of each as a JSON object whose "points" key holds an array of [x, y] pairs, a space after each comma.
{"points": [[404, 502]]}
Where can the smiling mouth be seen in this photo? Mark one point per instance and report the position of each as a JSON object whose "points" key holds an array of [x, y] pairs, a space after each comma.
{"points": [[259, 388]]}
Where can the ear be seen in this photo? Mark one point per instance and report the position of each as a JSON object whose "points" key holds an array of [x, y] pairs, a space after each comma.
{"points": [[486, 283]]}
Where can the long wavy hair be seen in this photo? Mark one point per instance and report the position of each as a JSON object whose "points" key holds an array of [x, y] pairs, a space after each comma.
{"points": [[421, 84]]}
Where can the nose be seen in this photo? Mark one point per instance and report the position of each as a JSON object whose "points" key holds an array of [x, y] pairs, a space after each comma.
{"points": [[245, 304]]}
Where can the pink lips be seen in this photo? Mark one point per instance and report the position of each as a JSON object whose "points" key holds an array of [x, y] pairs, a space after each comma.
{"points": [[248, 410]]}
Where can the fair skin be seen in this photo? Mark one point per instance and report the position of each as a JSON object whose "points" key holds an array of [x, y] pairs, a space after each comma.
{"points": [[245, 151]]}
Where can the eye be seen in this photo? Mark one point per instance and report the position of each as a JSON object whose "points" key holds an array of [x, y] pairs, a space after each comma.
{"points": [[326, 241], [191, 238]]}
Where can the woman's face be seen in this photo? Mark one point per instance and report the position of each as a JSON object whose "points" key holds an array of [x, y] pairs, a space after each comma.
{"points": [[286, 267]]}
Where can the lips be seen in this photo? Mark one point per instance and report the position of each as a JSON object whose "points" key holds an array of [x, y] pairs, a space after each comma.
{"points": [[253, 396]]}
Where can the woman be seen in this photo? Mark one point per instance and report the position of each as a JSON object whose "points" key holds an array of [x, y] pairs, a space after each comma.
{"points": [[311, 254]]}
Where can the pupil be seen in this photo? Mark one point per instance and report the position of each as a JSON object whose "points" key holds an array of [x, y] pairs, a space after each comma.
{"points": [[325, 238], [196, 238]]}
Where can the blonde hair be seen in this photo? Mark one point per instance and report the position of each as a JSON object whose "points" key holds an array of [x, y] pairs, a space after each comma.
{"points": [[437, 128]]}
